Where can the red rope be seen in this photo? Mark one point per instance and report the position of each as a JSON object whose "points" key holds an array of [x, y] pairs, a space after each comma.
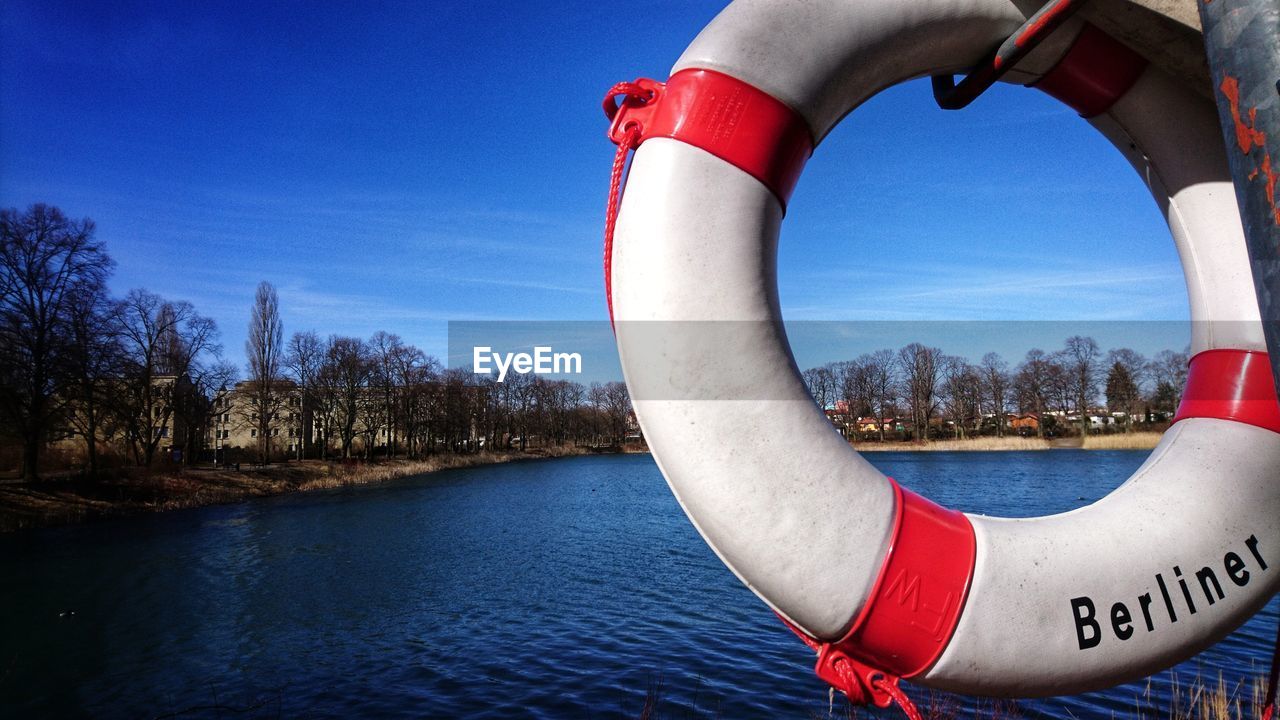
{"points": [[628, 143], [884, 685]]}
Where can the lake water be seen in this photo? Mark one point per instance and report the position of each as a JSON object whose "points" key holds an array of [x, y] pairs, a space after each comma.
{"points": [[563, 588]]}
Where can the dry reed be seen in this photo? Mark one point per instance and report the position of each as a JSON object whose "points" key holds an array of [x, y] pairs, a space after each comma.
{"points": [[970, 444], [1123, 441]]}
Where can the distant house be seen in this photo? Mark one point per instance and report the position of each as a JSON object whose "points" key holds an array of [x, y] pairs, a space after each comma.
{"points": [[839, 417], [235, 425], [871, 424], [1029, 421]]}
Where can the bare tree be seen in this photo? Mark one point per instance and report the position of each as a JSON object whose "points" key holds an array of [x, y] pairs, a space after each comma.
{"points": [[385, 350], [326, 394], [520, 397], [304, 357], [1060, 384], [618, 407], [878, 368], [1082, 359], [962, 390], [920, 367], [1032, 386], [415, 373], [93, 364], [851, 387], [349, 361], [821, 382], [1168, 372], [47, 261], [995, 384], [264, 349], [163, 343]]}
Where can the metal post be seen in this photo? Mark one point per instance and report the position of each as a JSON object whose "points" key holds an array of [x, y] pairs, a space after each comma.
{"points": [[1242, 41]]}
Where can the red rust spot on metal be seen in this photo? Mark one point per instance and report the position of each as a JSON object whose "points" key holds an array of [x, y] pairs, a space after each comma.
{"points": [[1249, 138], [1271, 187]]}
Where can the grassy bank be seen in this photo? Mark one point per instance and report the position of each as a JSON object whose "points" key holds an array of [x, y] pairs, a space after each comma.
{"points": [[1130, 441], [60, 502]]}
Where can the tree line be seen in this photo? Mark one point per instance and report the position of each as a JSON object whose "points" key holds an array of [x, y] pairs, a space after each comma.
{"points": [[133, 375], [384, 396], [936, 394]]}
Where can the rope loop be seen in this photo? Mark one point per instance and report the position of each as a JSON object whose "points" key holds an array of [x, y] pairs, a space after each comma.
{"points": [[626, 91]]}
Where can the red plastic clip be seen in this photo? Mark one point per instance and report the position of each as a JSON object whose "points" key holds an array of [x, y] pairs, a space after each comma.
{"points": [[862, 683]]}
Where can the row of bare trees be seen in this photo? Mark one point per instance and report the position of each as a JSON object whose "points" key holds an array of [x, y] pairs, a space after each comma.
{"points": [[74, 360], [923, 385], [395, 400], [142, 374]]}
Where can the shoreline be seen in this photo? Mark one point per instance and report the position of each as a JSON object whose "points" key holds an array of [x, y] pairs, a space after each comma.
{"points": [[1130, 441], [51, 503]]}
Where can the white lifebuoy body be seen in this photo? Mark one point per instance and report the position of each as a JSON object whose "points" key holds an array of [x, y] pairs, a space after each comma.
{"points": [[1170, 562]]}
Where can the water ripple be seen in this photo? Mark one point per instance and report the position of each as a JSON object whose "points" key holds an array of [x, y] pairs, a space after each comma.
{"points": [[553, 589]]}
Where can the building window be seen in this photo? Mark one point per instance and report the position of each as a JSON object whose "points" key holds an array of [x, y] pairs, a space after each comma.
{"points": [[253, 432], [275, 432]]}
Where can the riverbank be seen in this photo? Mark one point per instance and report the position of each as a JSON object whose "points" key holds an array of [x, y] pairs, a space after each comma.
{"points": [[1126, 441], [65, 501]]}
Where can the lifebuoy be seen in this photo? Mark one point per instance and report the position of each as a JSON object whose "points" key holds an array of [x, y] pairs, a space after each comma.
{"points": [[882, 580]]}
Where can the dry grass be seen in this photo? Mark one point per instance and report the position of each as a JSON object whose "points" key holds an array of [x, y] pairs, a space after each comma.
{"points": [[1196, 701], [1199, 700], [60, 502], [1123, 441], [1206, 701], [973, 444], [1118, 441]]}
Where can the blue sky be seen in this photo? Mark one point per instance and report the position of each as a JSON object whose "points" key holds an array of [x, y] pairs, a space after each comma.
{"points": [[395, 166]]}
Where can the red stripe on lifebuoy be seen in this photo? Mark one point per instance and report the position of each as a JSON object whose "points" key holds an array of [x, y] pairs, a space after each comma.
{"points": [[1093, 74], [736, 122], [1231, 385], [920, 592]]}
